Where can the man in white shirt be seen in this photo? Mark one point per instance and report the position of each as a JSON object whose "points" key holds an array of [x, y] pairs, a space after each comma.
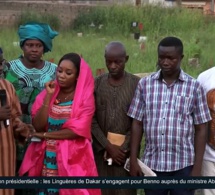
{"points": [[207, 80]]}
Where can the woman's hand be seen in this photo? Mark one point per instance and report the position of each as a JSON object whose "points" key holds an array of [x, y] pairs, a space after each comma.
{"points": [[50, 87], [23, 129], [37, 134]]}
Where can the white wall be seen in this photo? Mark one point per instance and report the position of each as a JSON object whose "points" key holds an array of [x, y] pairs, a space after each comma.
{"points": [[122, 1], [163, 2], [160, 2]]}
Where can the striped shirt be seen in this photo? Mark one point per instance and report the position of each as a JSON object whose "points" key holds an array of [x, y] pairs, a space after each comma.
{"points": [[169, 114], [112, 104], [7, 142]]}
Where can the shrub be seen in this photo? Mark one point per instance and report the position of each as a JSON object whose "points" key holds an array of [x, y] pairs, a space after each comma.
{"points": [[156, 20]]}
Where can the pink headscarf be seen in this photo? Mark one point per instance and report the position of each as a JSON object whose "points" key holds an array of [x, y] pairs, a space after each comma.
{"points": [[74, 157]]}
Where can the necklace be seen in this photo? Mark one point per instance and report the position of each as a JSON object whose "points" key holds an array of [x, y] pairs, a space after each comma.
{"points": [[59, 100]]}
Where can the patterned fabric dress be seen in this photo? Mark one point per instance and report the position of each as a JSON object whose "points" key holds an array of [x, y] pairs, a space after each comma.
{"points": [[58, 115], [28, 83]]}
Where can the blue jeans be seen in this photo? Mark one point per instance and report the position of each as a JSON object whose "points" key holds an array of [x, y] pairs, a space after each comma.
{"points": [[182, 172]]}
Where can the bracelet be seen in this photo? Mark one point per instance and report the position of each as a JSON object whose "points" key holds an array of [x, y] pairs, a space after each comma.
{"points": [[45, 105], [44, 135]]}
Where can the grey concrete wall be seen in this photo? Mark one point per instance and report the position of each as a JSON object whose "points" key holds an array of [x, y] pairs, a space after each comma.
{"points": [[66, 10], [10, 11]]}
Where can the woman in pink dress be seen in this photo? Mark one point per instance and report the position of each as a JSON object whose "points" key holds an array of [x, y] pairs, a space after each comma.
{"points": [[62, 115]]}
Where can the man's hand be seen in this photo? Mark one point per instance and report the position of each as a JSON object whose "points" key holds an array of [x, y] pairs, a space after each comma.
{"points": [[5, 113], [116, 153], [196, 171], [135, 169], [23, 129]]}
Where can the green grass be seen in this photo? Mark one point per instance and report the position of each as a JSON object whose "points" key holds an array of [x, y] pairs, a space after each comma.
{"points": [[195, 30], [91, 46]]}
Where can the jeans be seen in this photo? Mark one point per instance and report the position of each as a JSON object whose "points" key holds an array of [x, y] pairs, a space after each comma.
{"points": [[182, 172]]}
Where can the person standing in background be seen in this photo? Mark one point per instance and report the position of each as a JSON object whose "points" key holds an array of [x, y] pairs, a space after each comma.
{"points": [[9, 110], [207, 80], [170, 107], [30, 72], [111, 126]]}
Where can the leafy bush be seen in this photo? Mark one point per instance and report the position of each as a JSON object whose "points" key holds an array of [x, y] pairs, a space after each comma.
{"points": [[156, 20]]}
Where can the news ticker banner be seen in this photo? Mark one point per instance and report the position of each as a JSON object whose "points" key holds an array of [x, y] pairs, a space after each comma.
{"points": [[107, 182]]}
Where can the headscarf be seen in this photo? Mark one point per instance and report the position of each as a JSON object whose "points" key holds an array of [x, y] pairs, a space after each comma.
{"points": [[38, 31], [83, 107]]}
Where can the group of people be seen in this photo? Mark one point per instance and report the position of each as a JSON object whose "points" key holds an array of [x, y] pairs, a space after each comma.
{"points": [[50, 109], [65, 122]]}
